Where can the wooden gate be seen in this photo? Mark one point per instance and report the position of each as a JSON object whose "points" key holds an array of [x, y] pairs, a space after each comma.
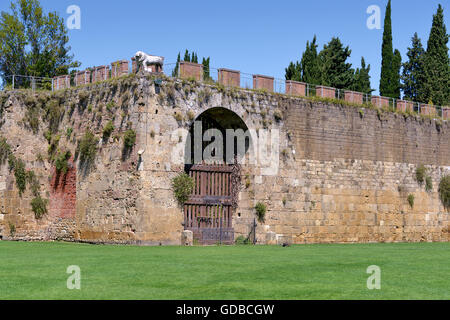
{"points": [[208, 212]]}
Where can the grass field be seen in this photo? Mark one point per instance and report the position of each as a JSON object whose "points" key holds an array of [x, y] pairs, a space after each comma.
{"points": [[408, 271]]}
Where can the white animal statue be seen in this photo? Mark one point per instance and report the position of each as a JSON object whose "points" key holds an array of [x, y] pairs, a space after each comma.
{"points": [[148, 60]]}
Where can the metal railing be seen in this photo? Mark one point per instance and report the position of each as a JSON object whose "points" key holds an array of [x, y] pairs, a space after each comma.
{"points": [[279, 86], [247, 82], [14, 82]]}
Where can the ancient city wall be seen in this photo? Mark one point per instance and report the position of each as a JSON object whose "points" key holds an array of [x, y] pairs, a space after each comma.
{"points": [[343, 172]]}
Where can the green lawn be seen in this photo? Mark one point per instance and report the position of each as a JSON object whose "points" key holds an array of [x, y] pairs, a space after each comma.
{"points": [[408, 271]]}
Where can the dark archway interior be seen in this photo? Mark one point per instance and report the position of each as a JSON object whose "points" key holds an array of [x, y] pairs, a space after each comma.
{"points": [[214, 118]]}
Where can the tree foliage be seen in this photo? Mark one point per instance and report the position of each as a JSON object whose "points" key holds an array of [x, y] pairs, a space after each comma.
{"points": [[310, 65], [361, 81], [329, 67], [412, 76], [32, 42], [391, 61], [294, 71], [436, 86], [335, 71]]}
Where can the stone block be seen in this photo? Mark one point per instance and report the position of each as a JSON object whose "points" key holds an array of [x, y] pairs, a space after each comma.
{"points": [[271, 238], [187, 238]]}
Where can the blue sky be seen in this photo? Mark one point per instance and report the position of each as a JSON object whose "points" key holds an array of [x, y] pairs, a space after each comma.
{"points": [[251, 36]]}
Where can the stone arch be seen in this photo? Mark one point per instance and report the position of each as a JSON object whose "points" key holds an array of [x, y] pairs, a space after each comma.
{"points": [[205, 133]]}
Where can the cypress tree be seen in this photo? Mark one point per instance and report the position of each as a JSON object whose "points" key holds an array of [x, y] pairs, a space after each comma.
{"points": [[187, 57], [396, 67], [294, 71], [175, 70], [387, 79], [310, 64], [412, 76], [194, 58], [206, 75], [361, 82], [436, 87]]}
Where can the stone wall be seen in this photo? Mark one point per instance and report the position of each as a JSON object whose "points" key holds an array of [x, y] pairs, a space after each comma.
{"points": [[343, 174]]}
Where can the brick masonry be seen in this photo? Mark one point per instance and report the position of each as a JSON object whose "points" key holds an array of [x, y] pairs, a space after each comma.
{"points": [[325, 92], [61, 82], [63, 193], [230, 78], [119, 68], [191, 70], [263, 82], [446, 112], [426, 109], [295, 88], [405, 106], [353, 97], [82, 77], [101, 73], [380, 102]]}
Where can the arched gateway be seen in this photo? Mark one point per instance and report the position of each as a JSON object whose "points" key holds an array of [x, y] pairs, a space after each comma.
{"points": [[217, 140]]}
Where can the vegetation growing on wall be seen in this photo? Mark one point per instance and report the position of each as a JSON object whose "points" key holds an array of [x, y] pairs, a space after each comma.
{"points": [[39, 206], [420, 174], [411, 200], [87, 149], [129, 140], [5, 150], [19, 173], [261, 209], [428, 184], [444, 191], [61, 162], [182, 187], [108, 130]]}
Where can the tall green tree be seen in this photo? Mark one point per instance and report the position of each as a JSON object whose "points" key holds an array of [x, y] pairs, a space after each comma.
{"points": [[412, 75], [396, 77], [187, 56], [335, 71], [32, 42], [389, 71], [177, 66], [436, 86], [206, 74], [310, 63], [293, 71], [361, 82]]}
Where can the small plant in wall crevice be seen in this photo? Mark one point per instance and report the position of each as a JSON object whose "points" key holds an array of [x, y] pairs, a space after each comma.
{"points": [[129, 140], [261, 209], [428, 184], [182, 187], [411, 200], [444, 191], [420, 174], [39, 206]]}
